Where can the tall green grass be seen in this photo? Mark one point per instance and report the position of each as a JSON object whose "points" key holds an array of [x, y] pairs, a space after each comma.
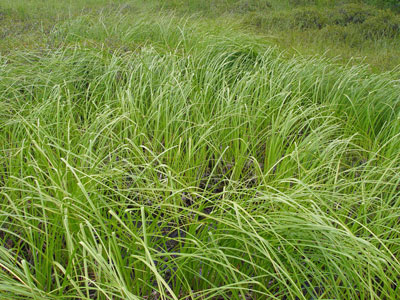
{"points": [[194, 163]]}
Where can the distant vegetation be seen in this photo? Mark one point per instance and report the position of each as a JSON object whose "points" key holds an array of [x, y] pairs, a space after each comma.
{"points": [[178, 150], [362, 30], [347, 30]]}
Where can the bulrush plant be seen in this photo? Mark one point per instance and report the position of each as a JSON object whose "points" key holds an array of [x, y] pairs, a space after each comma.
{"points": [[194, 165]]}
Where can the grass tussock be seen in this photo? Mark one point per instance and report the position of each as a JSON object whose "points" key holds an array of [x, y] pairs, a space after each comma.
{"points": [[193, 164]]}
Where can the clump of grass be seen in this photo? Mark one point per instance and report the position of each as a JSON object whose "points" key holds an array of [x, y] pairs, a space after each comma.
{"points": [[194, 165], [216, 7], [383, 25]]}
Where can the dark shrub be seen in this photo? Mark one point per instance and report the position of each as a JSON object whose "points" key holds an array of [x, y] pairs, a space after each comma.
{"points": [[392, 4], [363, 21], [309, 18], [384, 25], [244, 6], [351, 14]]}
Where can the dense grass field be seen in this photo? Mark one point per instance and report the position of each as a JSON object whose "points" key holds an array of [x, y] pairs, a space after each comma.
{"points": [[349, 31], [151, 151]]}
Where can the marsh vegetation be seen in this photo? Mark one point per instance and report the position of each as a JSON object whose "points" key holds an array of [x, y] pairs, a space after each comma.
{"points": [[151, 154]]}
